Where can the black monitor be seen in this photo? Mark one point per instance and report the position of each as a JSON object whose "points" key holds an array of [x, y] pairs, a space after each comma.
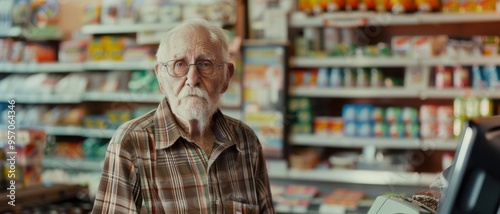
{"points": [[474, 179]]}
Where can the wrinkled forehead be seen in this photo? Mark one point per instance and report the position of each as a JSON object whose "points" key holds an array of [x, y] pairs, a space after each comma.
{"points": [[195, 42]]}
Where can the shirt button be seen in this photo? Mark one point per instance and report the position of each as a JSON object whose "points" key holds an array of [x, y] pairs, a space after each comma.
{"points": [[217, 201]]}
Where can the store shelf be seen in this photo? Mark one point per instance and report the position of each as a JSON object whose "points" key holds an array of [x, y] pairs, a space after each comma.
{"points": [[11, 32], [353, 92], [97, 133], [63, 130], [466, 61], [122, 97], [119, 65], [72, 164], [452, 93], [357, 176], [356, 19], [41, 98], [126, 28], [358, 142], [40, 67], [352, 62]]}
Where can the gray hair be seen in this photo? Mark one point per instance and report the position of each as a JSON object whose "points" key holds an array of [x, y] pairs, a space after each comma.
{"points": [[216, 35]]}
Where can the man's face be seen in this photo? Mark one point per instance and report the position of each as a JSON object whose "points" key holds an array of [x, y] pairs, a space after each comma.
{"points": [[193, 97]]}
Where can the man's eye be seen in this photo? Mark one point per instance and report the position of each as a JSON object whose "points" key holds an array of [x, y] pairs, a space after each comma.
{"points": [[180, 64], [205, 64]]}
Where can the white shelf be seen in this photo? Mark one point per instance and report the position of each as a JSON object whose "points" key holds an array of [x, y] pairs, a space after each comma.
{"points": [[356, 19], [358, 176], [40, 67], [447, 61], [63, 130], [122, 97], [97, 133], [42, 98], [358, 142], [126, 28], [353, 92], [72, 164], [10, 32], [119, 65], [352, 62], [452, 93]]}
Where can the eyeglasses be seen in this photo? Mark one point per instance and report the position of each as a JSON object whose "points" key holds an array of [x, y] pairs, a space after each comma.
{"points": [[179, 68]]}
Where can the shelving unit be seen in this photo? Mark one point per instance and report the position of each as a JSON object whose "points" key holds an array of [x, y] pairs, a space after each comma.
{"points": [[359, 142], [11, 32], [73, 164], [386, 19], [353, 92]]}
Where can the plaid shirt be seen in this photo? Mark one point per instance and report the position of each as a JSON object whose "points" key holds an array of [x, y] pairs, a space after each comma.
{"points": [[151, 168]]}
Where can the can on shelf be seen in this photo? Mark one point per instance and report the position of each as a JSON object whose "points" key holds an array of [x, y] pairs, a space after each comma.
{"points": [[485, 107]]}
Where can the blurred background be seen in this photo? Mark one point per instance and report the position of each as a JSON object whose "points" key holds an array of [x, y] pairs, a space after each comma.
{"points": [[351, 99]]}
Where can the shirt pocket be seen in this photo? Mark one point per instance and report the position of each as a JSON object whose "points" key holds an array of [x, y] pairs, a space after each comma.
{"points": [[233, 207]]}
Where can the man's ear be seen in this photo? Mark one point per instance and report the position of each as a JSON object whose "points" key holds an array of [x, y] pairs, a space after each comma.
{"points": [[230, 72], [157, 73]]}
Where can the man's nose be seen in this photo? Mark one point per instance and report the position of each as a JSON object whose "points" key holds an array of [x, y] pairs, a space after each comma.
{"points": [[193, 76]]}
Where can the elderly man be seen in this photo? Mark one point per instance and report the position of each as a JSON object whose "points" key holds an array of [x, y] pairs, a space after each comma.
{"points": [[186, 156]]}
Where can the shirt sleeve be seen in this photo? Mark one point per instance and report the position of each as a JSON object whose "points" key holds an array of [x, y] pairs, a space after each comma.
{"points": [[263, 187], [119, 189]]}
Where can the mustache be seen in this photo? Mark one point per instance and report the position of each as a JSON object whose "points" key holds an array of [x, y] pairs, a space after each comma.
{"points": [[193, 92]]}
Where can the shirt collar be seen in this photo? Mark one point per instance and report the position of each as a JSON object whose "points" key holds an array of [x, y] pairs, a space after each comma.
{"points": [[167, 131]]}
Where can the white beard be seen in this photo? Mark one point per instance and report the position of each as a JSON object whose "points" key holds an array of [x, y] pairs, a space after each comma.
{"points": [[194, 104]]}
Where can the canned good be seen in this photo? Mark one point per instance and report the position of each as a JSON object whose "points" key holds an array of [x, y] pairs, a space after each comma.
{"points": [[445, 114], [397, 130], [428, 113], [412, 130], [472, 107], [394, 114], [321, 125], [410, 115], [336, 126], [378, 114], [445, 130], [459, 107], [458, 126], [485, 107], [428, 130], [381, 129]]}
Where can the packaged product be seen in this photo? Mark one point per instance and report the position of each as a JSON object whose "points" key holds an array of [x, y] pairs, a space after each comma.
{"points": [[401, 45], [91, 14], [335, 5], [73, 50], [17, 52], [193, 11], [486, 6], [321, 125], [336, 126], [170, 12], [491, 45], [477, 77], [367, 5], [39, 52], [485, 107], [444, 77], [352, 5], [331, 39], [461, 77], [472, 107], [109, 12], [349, 77], [410, 115], [45, 12], [450, 6], [492, 76], [397, 130], [383, 5], [394, 114], [378, 114], [402, 6], [322, 79], [458, 126], [364, 113], [376, 78], [428, 130], [21, 12], [428, 113], [6, 49], [336, 78], [459, 107], [412, 130], [349, 112], [422, 46], [350, 128], [444, 114], [427, 5], [6, 13], [304, 116], [362, 78], [381, 129], [445, 130], [364, 129], [149, 11], [467, 6]]}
